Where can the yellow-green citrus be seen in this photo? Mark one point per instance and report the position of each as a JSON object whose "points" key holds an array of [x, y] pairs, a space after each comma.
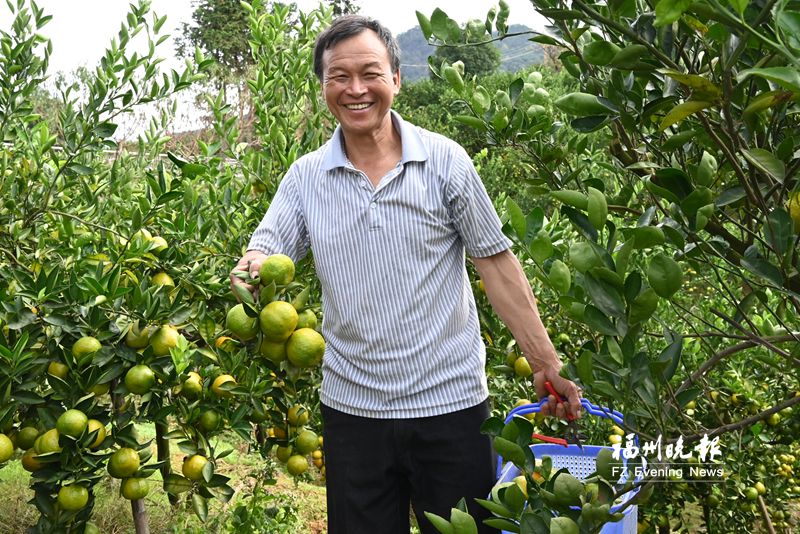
{"points": [[91, 528], [522, 368], [164, 339], [93, 425], [99, 389], [140, 379], [216, 385], [563, 525], [6, 448], [209, 421], [26, 437], [47, 442], [305, 348], [297, 415], [134, 488], [283, 453], [85, 347], [242, 325], [664, 275], [73, 497], [297, 465], [58, 369], [277, 268], [72, 423], [162, 279], [567, 490], [193, 467], [794, 210], [123, 463], [30, 462], [159, 244], [307, 319], [306, 442], [274, 351], [192, 386], [137, 338], [278, 319]]}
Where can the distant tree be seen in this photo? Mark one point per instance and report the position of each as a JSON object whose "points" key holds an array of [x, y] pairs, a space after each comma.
{"points": [[221, 30], [478, 60], [344, 7]]}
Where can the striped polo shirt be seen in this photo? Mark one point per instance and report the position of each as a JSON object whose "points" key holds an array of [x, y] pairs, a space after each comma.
{"points": [[399, 317]]}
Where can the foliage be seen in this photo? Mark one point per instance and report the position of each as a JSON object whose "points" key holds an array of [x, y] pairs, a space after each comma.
{"points": [[668, 199], [478, 60], [134, 249]]}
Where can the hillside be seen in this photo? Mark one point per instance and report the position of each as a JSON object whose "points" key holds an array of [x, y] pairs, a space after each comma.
{"points": [[515, 52]]}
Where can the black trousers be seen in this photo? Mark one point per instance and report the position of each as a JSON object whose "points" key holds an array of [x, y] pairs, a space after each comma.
{"points": [[375, 468]]}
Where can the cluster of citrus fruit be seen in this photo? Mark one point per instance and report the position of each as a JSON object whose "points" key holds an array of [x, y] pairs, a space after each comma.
{"points": [[284, 333], [300, 442]]}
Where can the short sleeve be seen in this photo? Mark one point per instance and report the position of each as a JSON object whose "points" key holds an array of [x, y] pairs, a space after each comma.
{"points": [[472, 212], [283, 229]]}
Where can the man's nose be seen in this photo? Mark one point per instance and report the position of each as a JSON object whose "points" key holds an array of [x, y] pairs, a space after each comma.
{"points": [[356, 86]]}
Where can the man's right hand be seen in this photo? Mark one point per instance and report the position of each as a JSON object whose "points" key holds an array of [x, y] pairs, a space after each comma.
{"points": [[250, 263]]}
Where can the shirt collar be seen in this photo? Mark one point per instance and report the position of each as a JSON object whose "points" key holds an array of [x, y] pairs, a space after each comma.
{"points": [[413, 147]]}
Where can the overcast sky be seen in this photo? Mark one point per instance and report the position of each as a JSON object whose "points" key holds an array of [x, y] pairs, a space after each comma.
{"points": [[81, 29]]}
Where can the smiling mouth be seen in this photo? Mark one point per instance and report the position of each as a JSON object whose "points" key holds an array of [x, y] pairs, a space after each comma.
{"points": [[357, 106]]}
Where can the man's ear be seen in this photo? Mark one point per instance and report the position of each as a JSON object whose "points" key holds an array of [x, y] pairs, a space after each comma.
{"points": [[396, 80]]}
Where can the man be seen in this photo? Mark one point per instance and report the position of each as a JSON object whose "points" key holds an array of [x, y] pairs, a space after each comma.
{"points": [[389, 211]]}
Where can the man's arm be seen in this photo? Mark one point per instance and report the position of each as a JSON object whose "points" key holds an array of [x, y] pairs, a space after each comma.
{"points": [[511, 298]]}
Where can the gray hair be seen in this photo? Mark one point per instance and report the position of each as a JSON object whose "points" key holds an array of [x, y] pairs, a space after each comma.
{"points": [[348, 26]]}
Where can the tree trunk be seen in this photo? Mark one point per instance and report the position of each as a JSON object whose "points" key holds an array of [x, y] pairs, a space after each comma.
{"points": [[163, 455], [140, 523], [138, 511]]}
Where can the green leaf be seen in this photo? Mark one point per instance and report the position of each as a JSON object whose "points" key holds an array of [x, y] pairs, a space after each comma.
{"points": [[766, 162], [585, 366], [599, 321], [462, 522], [681, 111], [200, 506], [531, 523], [702, 88], [604, 296], [175, 484], [439, 523], [668, 11], [764, 269], [425, 25], [738, 5], [786, 77], [501, 524], [516, 217], [509, 451], [671, 357], [472, 122], [779, 230], [600, 52]]}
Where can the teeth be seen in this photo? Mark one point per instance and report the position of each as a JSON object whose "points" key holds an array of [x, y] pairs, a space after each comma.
{"points": [[356, 106]]}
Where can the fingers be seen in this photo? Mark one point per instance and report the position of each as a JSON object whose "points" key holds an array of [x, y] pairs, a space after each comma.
{"points": [[248, 266]]}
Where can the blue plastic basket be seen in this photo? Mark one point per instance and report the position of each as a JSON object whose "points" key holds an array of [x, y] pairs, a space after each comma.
{"points": [[580, 463]]}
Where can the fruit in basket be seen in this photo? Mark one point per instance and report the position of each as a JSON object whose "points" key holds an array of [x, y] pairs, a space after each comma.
{"points": [[563, 525], [607, 467], [567, 490]]}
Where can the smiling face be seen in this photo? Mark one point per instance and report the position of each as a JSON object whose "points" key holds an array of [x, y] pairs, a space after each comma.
{"points": [[358, 84]]}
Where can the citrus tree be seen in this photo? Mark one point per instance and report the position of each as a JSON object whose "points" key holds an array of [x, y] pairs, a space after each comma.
{"points": [[666, 236], [116, 305]]}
